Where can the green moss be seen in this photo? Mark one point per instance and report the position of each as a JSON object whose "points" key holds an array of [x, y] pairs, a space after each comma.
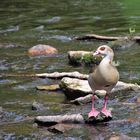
{"points": [[88, 59], [75, 60]]}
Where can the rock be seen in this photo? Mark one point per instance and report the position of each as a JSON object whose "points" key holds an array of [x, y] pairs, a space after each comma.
{"points": [[82, 57], [52, 120], [1, 109], [74, 88], [42, 50], [121, 43], [61, 127], [138, 99], [120, 137], [86, 58], [49, 87], [82, 100], [37, 106], [59, 75], [8, 46], [54, 130], [70, 118], [10, 136], [1, 112]]}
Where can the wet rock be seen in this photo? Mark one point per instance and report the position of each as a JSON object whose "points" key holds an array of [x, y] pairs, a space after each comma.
{"points": [[42, 50], [83, 100], [10, 136], [122, 43], [70, 118], [1, 112], [54, 19], [7, 46], [61, 127], [55, 131], [120, 137], [74, 88], [82, 57], [49, 87], [53, 120], [138, 99], [37, 106], [61, 38], [59, 75], [19, 118]]}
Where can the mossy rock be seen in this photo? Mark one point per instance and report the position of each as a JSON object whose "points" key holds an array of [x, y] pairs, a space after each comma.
{"points": [[82, 57], [88, 59], [75, 60]]}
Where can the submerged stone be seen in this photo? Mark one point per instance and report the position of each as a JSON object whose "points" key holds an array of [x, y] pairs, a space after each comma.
{"points": [[9, 46], [120, 137], [37, 106], [138, 99], [49, 87], [42, 50]]}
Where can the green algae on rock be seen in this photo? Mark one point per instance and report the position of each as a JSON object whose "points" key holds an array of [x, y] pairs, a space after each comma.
{"points": [[82, 57]]}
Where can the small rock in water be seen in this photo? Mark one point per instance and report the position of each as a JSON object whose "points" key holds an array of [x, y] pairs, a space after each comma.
{"points": [[61, 38], [1, 110], [49, 87], [10, 136], [120, 137], [19, 117], [54, 19], [7, 46], [1, 113], [42, 50], [37, 106], [55, 131], [138, 99]]}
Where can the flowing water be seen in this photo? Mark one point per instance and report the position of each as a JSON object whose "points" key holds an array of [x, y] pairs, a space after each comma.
{"points": [[24, 24]]}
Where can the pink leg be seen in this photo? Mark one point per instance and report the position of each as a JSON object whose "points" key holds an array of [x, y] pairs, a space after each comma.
{"points": [[93, 112], [104, 110]]}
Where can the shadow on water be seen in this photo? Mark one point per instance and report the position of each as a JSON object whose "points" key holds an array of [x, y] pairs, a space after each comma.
{"points": [[27, 23]]}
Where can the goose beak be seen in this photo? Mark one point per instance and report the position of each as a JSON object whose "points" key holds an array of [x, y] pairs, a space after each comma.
{"points": [[96, 53]]}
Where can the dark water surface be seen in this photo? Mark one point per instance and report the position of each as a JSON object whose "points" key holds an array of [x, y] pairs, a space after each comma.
{"points": [[55, 22]]}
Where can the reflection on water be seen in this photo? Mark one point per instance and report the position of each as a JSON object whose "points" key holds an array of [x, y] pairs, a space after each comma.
{"points": [[26, 23]]}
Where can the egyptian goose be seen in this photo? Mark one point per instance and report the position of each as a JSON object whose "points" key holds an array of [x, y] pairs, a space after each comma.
{"points": [[103, 77]]}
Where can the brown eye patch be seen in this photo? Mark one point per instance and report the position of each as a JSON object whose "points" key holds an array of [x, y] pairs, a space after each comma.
{"points": [[102, 48]]}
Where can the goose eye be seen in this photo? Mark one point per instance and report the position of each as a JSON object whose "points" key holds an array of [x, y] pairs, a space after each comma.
{"points": [[102, 48]]}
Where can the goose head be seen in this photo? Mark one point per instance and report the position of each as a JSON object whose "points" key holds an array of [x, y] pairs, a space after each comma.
{"points": [[104, 51]]}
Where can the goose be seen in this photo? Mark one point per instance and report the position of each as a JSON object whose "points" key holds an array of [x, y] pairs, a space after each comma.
{"points": [[104, 77]]}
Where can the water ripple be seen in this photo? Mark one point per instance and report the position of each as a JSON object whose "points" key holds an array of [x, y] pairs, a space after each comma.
{"points": [[10, 29]]}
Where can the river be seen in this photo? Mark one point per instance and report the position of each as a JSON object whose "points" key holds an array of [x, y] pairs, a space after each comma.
{"points": [[26, 23]]}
